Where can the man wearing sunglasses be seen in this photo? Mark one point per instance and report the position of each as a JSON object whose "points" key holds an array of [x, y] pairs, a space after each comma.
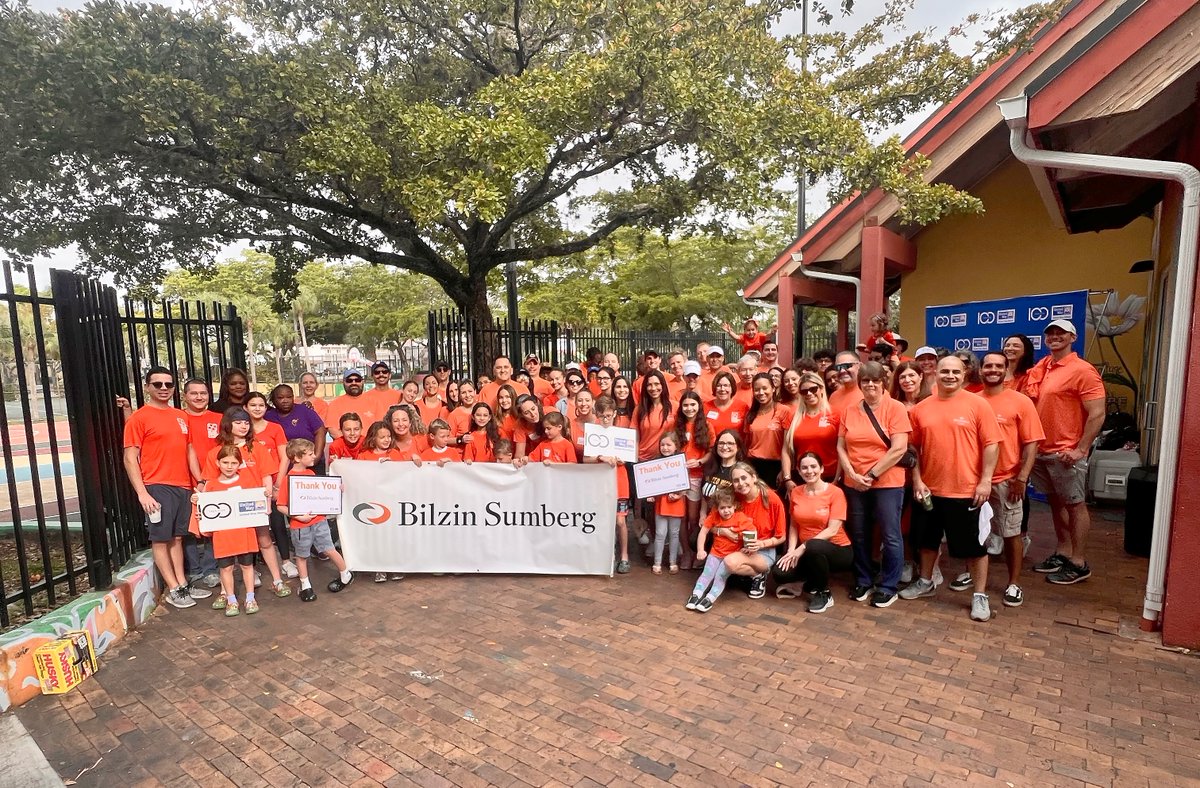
{"points": [[382, 397], [846, 366], [350, 402], [156, 443]]}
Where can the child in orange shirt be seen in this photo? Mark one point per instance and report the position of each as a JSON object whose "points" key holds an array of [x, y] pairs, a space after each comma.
{"points": [[727, 525], [378, 444], [669, 511], [309, 532], [502, 451], [558, 446], [750, 339], [440, 450], [349, 446], [606, 414], [234, 545]]}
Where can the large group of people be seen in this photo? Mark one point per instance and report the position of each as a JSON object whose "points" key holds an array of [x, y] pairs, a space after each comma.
{"points": [[865, 462]]}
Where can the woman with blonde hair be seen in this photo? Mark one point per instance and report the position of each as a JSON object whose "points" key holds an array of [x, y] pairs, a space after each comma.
{"points": [[814, 428]]}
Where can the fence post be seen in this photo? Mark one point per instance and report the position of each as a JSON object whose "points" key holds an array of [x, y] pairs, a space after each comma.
{"points": [[431, 334]]}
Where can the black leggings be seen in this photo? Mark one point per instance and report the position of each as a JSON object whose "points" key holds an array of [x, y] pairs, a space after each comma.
{"points": [[279, 532], [767, 470], [820, 557]]}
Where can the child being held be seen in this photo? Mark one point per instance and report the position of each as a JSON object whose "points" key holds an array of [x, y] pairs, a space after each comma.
{"points": [[309, 532], [727, 524]]}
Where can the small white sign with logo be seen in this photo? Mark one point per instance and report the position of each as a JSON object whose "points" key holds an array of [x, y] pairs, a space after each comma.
{"points": [[619, 442], [239, 508], [661, 476], [314, 495]]}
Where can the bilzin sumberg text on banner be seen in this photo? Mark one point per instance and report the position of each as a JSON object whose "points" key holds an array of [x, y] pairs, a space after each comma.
{"points": [[482, 517]]}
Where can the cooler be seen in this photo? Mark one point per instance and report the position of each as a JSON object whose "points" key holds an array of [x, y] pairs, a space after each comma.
{"points": [[1108, 474], [1139, 510]]}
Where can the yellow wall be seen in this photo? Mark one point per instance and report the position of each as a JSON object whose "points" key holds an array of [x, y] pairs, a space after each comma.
{"points": [[1012, 249]]}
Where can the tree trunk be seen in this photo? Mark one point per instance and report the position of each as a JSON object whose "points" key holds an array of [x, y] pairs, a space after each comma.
{"points": [[484, 340], [279, 363], [251, 352], [303, 338]]}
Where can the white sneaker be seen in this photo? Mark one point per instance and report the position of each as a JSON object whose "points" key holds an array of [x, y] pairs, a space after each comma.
{"points": [[196, 592], [211, 580], [289, 570], [995, 545]]}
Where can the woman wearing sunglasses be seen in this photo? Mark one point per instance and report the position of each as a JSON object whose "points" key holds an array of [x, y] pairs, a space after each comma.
{"points": [[814, 429], [576, 383]]}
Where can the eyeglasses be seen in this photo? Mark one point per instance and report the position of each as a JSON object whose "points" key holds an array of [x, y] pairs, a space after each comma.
{"points": [[574, 382], [379, 372], [727, 443], [161, 384], [812, 390], [843, 367], [870, 382], [354, 380]]}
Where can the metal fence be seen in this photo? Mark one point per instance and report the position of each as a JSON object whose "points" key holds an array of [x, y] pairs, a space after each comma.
{"points": [[68, 516]]}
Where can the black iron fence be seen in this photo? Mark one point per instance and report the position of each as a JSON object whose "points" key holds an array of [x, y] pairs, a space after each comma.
{"points": [[68, 517]]}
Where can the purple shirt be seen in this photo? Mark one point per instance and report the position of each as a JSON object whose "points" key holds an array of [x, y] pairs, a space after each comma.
{"points": [[300, 422]]}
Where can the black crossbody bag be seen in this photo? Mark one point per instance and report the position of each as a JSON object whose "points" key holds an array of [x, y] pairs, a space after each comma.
{"points": [[909, 458]]}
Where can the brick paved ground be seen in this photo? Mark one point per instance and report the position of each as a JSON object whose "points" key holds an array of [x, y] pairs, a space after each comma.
{"points": [[579, 681]]}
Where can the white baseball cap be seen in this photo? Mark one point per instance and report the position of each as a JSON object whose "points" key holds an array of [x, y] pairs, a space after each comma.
{"points": [[574, 365], [1065, 325], [716, 350], [691, 367], [925, 350]]}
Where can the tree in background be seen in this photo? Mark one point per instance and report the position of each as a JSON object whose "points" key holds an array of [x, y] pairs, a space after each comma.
{"points": [[443, 138]]}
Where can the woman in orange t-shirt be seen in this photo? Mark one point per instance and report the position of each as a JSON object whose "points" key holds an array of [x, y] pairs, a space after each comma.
{"points": [[624, 401], [1018, 349], [767, 512], [814, 428], [407, 444], [308, 395], [528, 433], [506, 412], [874, 483], [763, 430], [723, 411], [430, 404], [580, 411], [817, 541], [460, 417], [692, 429], [653, 414]]}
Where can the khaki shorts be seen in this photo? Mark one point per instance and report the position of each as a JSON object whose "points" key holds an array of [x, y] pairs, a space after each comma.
{"points": [[1067, 483], [693, 490], [1006, 516]]}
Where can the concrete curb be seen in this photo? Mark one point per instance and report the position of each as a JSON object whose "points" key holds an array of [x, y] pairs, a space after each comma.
{"points": [[24, 763]]}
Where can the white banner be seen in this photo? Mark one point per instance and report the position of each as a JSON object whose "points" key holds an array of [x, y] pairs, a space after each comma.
{"points": [[483, 517]]}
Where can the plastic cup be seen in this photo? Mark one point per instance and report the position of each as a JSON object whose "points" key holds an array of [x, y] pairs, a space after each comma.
{"points": [[156, 516], [927, 503], [749, 536]]}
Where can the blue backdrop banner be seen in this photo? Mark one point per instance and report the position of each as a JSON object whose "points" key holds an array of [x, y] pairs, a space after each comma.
{"points": [[981, 326]]}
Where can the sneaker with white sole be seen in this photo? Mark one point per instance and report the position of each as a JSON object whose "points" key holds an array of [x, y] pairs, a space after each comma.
{"points": [[981, 608], [705, 605], [211, 580], [1070, 574], [882, 599], [917, 589], [861, 593], [179, 597], [962, 582], [196, 592], [1013, 596], [758, 586], [1051, 564], [381, 577], [289, 570], [395, 576], [820, 601], [693, 602]]}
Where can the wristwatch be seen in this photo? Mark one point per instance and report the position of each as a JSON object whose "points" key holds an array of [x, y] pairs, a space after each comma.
{"points": [[871, 475]]}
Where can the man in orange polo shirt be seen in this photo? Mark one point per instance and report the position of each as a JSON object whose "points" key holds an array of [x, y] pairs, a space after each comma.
{"points": [[156, 461], [382, 396], [541, 386], [957, 444], [1069, 395], [846, 365], [713, 363], [502, 371]]}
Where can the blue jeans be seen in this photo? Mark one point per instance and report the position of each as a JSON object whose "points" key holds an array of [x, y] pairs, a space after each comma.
{"points": [[865, 511], [198, 556]]}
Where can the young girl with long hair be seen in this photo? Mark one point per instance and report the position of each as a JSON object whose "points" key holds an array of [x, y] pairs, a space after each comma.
{"points": [[669, 511], [692, 428], [480, 445], [233, 546]]}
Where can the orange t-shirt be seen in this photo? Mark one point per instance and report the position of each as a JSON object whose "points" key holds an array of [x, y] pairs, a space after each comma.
{"points": [[529, 434], [318, 406], [379, 400], [203, 431], [863, 444], [508, 428], [666, 506], [416, 445], [744, 395], [843, 398], [764, 435], [649, 430], [253, 469], [285, 492], [693, 452], [233, 541], [459, 421], [951, 435], [557, 450], [541, 387], [162, 436], [431, 412], [770, 519], [339, 449], [392, 455], [1064, 388], [272, 440], [817, 434], [577, 436], [1019, 424], [488, 393], [477, 448], [449, 453], [723, 545], [749, 343], [811, 513], [339, 406], [704, 383], [728, 419]]}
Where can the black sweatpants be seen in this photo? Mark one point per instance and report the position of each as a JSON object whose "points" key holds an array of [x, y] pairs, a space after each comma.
{"points": [[821, 557]]}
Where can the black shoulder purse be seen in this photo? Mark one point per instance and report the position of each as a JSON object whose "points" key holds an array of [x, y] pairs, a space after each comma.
{"points": [[909, 458]]}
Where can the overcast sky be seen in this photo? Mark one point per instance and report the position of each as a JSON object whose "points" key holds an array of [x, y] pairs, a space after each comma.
{"points": [[940, 14]]}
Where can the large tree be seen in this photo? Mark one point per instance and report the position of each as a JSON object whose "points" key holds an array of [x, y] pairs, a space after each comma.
{"points": [[441, 137]]}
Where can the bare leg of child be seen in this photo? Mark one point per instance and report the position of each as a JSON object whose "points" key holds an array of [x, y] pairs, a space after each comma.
{"points": [[622, 537], [227, 586], [247, 576], [271, 558]]}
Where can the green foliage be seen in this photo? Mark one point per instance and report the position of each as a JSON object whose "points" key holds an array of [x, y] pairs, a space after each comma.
{"points": [[442, 137]]}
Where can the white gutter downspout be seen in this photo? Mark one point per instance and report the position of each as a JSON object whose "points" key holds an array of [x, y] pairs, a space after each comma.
{"points": [[812, 273], [1014, 111], [758, 303]]}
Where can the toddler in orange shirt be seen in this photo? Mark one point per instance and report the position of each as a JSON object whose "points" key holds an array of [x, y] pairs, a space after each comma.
{"points": [[727, 525]]}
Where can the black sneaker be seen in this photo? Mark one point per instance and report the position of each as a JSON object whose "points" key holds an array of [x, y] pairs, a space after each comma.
{"points": [[1051, 564], [307, 595], [861, 593], [693, 602], [882, 599], [1070, 574], [705, 605], [758, 586], [820, 601], [336, 584]]}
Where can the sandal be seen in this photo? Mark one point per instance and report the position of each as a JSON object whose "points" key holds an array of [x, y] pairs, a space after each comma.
{"points": [[219, 602], [231, 609], [281, 591], [251, 607], [674, 569], [656, 569]]}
